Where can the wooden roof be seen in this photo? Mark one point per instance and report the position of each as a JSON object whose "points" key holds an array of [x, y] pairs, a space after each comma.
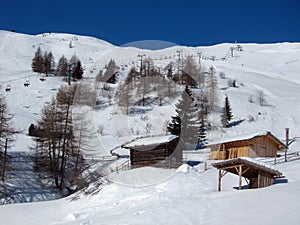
{"points": [[250, 166], [249, 137]]}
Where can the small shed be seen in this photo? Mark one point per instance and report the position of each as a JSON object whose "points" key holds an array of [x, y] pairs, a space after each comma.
{"points": [[258, 174], [260, 144], [162, 151]]}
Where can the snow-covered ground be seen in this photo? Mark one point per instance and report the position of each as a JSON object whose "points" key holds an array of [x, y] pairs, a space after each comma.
{"points": [[159, 196], [151, 195]]}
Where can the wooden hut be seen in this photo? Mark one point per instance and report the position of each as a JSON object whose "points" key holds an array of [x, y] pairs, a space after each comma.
{"points": [[258, 174], [261, 144], [164, 151]]}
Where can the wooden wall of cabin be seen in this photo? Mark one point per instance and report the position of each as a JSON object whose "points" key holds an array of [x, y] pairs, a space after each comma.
{"points": [[229, 150], [258, 147], [262, 180], [165, 155], [237, 152], [262, 147]]}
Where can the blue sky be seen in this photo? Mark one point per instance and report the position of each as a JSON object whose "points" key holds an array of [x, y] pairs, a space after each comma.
{"points": [[186, 22]]}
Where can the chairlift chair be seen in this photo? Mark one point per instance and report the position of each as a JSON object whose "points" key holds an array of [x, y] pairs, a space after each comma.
{"points": [[42, 78], [8, 88], [26, 83]]}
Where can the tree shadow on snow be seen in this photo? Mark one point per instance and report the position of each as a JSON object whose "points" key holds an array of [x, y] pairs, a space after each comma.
{"points": [[235, 123]]}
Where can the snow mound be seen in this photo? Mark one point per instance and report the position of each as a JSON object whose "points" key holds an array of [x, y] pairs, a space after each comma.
{"points": [[71, 217], [143, 176], [185, 168]]}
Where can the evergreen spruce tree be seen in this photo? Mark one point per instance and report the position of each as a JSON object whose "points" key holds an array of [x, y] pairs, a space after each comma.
{"points": [[62, 67], [174, 126], [77, 71], [46, 64], [111, 74], [226, 115], [51, 62], [190, 72], [202, 129], [186, 118], [37, 61]]}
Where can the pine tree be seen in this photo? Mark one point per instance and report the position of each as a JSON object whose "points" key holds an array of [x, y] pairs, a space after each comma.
{"points": [[62, 67], [46, 64], [6, 134], [124, 98], [190, 72], [174, 126], [186, 118], [143, 89], [202, 129], [226, 115], [51, 62], [211, 88], [77, 71], [58, 152], [99, 76], [169, 69], [111, 74], [73, 61], [132, 77], [37, 61]]}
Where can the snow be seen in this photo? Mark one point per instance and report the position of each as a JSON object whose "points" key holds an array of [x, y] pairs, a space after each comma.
{"points": [[254, 161], [151, 141], [152, 195], [183, 198], [184, 168], [238, 138]]}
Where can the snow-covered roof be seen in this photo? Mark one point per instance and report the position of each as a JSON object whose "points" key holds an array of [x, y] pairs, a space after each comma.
{"points": [[150, 141], [229, 163], [244, 137]]}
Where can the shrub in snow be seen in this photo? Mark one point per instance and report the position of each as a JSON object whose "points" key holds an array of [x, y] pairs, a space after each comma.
{"points": [[261, 98], [222, 75]]}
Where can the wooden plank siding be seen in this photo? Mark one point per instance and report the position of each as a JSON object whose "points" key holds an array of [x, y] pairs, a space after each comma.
{"points": [[259, 146], [263, 180], [258, 174], [166, 155], [263, 147]]}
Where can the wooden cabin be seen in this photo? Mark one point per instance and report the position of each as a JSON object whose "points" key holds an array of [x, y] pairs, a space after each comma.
{"points": [[258, 174], [261, 144], [163, 151]]}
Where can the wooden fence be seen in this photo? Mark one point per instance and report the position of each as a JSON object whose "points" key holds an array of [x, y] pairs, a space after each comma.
{"points": [[277, 160]]}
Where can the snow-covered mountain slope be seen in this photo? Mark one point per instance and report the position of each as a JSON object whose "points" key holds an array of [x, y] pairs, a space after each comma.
{"points": [[185, 197], [16, 53], [17, 50], [269, 68]]}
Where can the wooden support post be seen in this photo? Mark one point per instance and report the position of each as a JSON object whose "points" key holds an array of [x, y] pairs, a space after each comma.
{"points": [[220, 177], [240, 177], [286, 142], [221, 174]]}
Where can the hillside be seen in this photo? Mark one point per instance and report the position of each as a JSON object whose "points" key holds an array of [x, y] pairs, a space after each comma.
{"points": [[157, 196]]}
